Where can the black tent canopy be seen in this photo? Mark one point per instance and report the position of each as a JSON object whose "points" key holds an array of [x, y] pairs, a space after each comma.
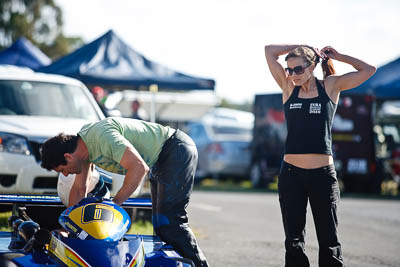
{"points": [[384, 84], [109, 61]]}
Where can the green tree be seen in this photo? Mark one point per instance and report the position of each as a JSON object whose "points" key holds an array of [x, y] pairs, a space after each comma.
{"points": [[39, 21], [62, 45]]}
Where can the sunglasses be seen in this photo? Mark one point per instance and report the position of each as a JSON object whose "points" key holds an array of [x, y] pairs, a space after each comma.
{"points": [[297, 70]]}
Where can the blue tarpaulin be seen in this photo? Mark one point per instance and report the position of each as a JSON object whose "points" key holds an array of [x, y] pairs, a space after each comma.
{"points": [[384, 84], [24, 54], [108, 61]]}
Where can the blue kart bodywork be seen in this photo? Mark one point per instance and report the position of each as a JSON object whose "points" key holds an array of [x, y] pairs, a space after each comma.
{"points": [[46, 248]]}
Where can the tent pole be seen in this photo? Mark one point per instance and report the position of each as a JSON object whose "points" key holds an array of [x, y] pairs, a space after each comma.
{"points": [[153, 89]]}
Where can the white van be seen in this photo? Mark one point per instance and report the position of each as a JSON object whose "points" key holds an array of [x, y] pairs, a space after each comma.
{"points": [[33, 107]]}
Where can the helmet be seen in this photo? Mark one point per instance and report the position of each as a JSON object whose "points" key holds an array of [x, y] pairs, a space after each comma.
{"points": [[94, 218], [65, 183]]}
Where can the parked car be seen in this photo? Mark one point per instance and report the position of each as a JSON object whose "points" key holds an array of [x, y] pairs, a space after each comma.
{"points": [[222, 138], [34, 107]]}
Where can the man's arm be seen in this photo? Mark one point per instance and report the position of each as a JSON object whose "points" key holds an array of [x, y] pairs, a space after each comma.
{"points": [[81, 184], [136, 171]]}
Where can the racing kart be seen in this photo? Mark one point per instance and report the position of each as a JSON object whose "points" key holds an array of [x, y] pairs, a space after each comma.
{"points": [[92, 233]]}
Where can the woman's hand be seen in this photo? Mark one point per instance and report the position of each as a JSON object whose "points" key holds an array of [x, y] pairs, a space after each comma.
{"points": [[330, 52]]}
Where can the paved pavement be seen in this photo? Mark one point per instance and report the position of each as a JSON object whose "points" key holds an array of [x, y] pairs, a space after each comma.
{"points": [[245, 229]]}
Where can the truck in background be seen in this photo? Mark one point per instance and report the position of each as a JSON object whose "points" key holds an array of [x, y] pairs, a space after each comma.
{"points": [[357, 163], [269, 135]]}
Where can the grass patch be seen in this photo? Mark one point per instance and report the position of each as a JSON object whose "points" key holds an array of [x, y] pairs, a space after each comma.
{"points": [[4, 221], [141, 227], [389, 190], [223, 185], [232, 185]]}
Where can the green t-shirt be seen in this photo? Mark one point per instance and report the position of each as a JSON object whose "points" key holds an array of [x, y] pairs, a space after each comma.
{"points": [[107, 139]]}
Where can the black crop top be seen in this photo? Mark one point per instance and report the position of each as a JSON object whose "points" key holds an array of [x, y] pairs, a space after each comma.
{"points": [[309, 123]]}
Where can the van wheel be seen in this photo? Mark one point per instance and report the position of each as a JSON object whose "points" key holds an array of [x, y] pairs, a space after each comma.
{"points": [[46, 217], [256, 176]]}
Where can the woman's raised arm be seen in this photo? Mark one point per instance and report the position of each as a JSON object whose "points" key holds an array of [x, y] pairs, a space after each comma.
{"points": [[351, 79], [272, 53]]}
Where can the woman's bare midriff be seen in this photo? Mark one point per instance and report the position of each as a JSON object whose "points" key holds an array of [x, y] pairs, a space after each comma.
{"points": [[308, 161]]}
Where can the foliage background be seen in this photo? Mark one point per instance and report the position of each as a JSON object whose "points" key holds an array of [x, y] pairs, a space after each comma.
{"points": [[39, 21]]}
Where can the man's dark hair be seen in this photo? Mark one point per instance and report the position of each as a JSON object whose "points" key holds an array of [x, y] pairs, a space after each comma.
{"points": [[52, 151]]}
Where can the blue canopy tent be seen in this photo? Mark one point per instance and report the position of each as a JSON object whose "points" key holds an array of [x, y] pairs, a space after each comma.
{"points": [[24, 54], [385, 84], [108, 61]]}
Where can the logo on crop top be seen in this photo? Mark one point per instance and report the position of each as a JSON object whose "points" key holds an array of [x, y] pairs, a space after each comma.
{"points": [[315, 108], [295, 105]]}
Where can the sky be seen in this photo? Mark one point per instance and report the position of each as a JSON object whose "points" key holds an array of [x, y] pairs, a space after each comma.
{"points": [[224, 39]]}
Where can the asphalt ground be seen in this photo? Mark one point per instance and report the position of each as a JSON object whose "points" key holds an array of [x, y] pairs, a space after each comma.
{"points": [[245, 229]]}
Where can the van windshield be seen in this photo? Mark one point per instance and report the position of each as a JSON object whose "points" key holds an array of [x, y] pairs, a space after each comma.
{"points": [[45, 99]]}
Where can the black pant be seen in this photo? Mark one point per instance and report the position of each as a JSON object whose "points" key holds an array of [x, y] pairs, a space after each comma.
{"points": [[171, 185], [319, 186]]}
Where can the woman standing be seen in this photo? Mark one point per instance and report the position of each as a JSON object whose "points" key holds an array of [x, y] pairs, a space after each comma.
{"points": [[307, 172]]}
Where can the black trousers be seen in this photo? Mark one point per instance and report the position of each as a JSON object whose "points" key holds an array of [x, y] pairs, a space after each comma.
{"points": [[171, 182], [320, 187]]}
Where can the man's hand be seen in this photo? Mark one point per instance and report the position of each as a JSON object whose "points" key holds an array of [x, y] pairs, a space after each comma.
{"points": [[331, 52], [81, 184]]}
